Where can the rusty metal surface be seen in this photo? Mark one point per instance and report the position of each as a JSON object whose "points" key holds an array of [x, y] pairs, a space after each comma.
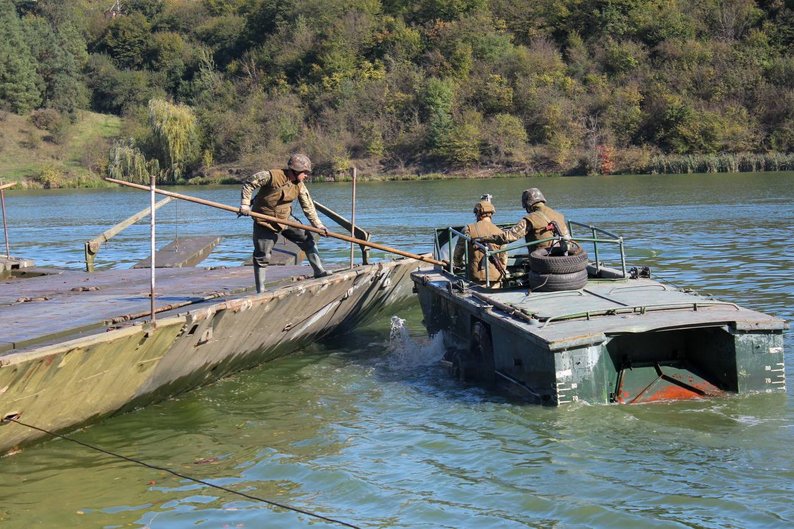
{"points": [[110, 369], [659, 383]]}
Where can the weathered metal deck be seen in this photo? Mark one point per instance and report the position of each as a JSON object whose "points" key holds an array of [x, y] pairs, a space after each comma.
{"points": [[76, 346], [42, 305], [579, 317]]}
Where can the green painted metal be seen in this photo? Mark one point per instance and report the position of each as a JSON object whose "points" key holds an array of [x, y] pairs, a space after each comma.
{"points": [[620, 339], [82, 374]]}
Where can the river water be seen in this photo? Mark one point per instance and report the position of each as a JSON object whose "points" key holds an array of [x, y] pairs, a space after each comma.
{"points": [[368, 429]]}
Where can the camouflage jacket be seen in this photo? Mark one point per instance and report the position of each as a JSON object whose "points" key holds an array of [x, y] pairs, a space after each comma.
{"points": [[533, 226], [278, 204]]}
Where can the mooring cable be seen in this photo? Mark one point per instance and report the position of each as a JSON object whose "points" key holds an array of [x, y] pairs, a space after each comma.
{"points": [[15, 418]]}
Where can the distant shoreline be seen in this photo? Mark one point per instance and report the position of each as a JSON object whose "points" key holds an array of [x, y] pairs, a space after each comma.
{"points": [[785, 164]]}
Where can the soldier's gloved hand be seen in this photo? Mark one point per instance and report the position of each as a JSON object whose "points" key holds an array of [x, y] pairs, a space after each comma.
{"points": [[324, 230], [244, 211]]}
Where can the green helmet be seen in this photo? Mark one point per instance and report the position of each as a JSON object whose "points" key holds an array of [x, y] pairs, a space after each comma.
{"points": [[531, 196], [484, 207], [300, 163]]}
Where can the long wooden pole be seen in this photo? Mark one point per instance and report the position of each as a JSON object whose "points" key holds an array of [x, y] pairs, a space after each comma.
{"points": [[285, 222]]}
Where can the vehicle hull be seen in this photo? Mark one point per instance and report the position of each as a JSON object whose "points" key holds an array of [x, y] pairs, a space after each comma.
{"points": [[618, 341]]}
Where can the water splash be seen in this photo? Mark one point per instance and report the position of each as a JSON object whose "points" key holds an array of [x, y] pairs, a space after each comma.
{"points": [[406, 351]]}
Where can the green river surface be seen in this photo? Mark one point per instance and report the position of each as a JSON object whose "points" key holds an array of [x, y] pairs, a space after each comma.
{"points": [[369, 429]]}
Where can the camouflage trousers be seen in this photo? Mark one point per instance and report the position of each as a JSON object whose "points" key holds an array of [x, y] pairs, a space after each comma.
{"points": [[265, 239]]}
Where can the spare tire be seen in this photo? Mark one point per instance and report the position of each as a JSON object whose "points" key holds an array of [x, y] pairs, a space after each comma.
{"points": [[542, 263], [556, 282]]}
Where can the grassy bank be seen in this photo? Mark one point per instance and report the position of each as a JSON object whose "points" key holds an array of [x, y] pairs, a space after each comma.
{"points": [[56, 153]]}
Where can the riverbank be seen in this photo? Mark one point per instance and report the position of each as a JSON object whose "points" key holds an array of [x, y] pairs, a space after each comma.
{"points": [[96, 182], [48, 151]]}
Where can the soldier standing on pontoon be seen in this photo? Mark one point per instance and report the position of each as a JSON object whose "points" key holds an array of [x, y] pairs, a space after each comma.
{"points": [[277, 190]]}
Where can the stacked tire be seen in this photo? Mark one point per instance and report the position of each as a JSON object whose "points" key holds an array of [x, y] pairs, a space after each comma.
{"points": [[550, 273]]}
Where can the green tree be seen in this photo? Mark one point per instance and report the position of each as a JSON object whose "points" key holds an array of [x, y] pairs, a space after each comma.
{"points": [[461, 146], [127, 40], [57, 66], [127, 162], [176, 135], [115, 91], [223, 35], [224, 7], [424, 11], [170, 56], [396, 41], [20, 84], [148, 8], [505, 139], [439, 96], [624, 113]]}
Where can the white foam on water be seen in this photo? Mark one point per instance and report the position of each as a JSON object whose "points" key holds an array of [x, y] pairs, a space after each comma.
{"points": [[406, 351]]}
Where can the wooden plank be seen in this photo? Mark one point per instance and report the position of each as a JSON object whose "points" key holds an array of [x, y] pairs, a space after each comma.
{"points": [[187, 251]]}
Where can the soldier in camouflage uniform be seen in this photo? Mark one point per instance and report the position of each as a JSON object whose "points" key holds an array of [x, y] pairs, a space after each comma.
{"points": [[277, 190], [535, 225], [483, 228]]}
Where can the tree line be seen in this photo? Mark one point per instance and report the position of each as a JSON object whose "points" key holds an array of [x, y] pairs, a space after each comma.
{"points": [[548, 86]]}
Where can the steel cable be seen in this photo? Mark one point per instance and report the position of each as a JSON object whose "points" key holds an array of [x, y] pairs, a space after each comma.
{"points": [[177, 474]]}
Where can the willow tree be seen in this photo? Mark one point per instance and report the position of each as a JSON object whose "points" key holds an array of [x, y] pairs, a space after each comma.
{"points": [[176, 136], [127, 162]]}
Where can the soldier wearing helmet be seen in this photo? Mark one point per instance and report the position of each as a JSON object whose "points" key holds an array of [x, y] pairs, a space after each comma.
{"points": [[277, 190], [484, 227], [535, 224]]}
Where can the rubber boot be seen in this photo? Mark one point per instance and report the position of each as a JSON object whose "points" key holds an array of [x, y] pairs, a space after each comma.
{"points": [[317, 264], [259, 277]]}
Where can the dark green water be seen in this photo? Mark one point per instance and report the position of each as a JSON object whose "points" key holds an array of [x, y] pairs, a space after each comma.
{"points": [[369, 430]]}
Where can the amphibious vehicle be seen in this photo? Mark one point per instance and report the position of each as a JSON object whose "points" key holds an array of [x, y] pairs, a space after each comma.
{"points": [[568, 327]]}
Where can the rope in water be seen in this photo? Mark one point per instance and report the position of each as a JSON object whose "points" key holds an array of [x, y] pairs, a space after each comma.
{"points": [[15, 419]]}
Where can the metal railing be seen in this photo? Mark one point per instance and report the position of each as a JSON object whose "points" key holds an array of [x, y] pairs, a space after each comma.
{"points": [[612, 239], [445, 237]]}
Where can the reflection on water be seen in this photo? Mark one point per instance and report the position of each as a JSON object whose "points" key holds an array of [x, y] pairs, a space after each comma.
{"points": [[369, 429]]}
